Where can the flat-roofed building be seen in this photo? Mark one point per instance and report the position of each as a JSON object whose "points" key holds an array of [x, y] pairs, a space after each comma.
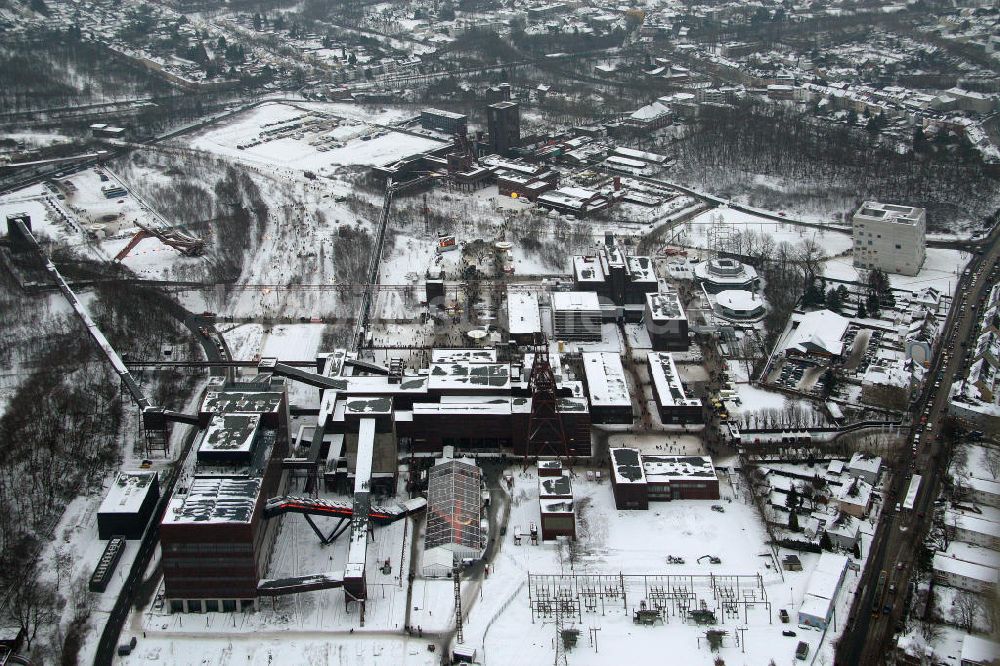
{"points": [[607, 388], [129, 505], [890, 237], [680, 477], [576, 315], [444, 121], [666, 321], [963, 575], [672, 401], [628, 480], [524, 321]]}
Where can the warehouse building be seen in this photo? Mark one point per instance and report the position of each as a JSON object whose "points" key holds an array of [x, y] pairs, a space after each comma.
{"points": [[821, 594], [672, 401], [666, 322], [129, 505]]}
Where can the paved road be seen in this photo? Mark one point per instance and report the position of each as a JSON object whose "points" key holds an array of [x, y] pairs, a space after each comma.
{"points": [[867, 636]]}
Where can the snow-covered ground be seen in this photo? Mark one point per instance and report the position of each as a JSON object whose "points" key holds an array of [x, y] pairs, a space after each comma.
{"points": [[941, 270], [833, 241]]}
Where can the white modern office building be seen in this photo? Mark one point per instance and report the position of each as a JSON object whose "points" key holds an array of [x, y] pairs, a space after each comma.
{"points": [[890, 237]]}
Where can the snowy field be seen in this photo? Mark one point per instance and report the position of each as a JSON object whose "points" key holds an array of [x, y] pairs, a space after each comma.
{"points": [[834, 242], [354, 138], [942, 268]]}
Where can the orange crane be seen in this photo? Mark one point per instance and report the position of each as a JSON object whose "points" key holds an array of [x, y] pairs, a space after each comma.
{"points": [[185, 243]]}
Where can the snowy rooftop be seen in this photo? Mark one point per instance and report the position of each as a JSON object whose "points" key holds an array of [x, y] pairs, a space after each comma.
{"points": [[230, 433], [575, 300], [739, 300], [211, 500], [229, 401], [948, 565], [856, 492], [555, 486], [588, 269], [976, 650], [641, 268], [819, 331], [889, 212], [463, 374], [369, 406], [128, 492], [664, 468], [448, 355], [669, 390], [556, 505], [523, 316], [606, 384], [665, 305], [627, 465], [863, 462]]}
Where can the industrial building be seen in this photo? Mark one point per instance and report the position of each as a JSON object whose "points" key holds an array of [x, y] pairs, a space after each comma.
{"points": [[666, 321], [890, 237], [455, 124], [213, 535], [637, 478], [503, 122], [607, 388], [576, 315], [129, 505], [673, 403], [454, 503], [617, 278]]}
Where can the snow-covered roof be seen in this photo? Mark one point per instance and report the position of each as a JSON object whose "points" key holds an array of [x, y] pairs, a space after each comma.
{"points": [[739, 300], [606, 383], [588, 269], [862, 493], [555, 486], [976, 650], [523, 316], [640, 155], [466, 375], [665, 305], [576, 300], [230, 433], [863, 462], [214, 500], [128, 491], [626, 465], [669, 390], [665, 468], [955, 567], [819, 331], [556, 505]]}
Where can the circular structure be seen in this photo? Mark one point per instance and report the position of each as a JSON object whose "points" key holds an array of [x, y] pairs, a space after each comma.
{"points": [[726, 274], [739, 304]]}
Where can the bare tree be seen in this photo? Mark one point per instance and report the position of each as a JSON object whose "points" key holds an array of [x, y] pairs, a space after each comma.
{"points": [[993, 461], [966, 610], [32, 604]]}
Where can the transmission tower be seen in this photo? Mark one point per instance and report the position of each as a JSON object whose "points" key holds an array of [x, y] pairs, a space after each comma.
{"points": [[721, 236], [546, 435], [560, 659]]}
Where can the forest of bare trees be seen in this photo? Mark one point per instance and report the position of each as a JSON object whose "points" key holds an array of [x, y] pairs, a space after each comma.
{"points": [[731, 148]]}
